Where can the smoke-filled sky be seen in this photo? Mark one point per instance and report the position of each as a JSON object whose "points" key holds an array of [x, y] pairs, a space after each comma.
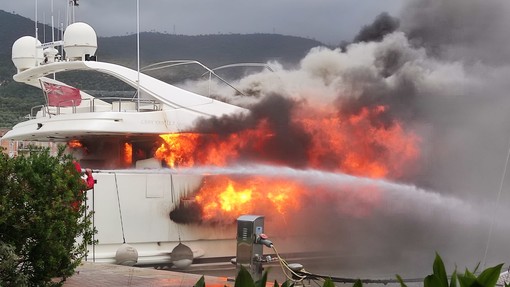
{"points": [[328, 21]]}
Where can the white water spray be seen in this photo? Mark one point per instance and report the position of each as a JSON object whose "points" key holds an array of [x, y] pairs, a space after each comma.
{"points": [[371, 220], [397, 198]]}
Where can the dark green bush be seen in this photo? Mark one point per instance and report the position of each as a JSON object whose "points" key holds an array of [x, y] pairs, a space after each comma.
{"points": [[38, 226], [439, 278]]}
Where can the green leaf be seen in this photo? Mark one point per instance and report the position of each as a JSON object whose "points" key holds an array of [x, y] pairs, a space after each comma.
{"points": [[470, 275], [490, 276], [358, 283], [401, 281], [200, 282], [328, 283], [440, 272], [262, 281], [431, 281], [466, 281], [476, 268], [453, 281], [244, 278]]}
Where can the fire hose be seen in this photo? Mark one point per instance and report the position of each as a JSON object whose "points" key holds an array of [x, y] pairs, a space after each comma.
{"points": [[299, 274]]}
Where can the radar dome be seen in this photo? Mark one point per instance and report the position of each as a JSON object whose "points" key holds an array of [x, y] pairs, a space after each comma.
{"points": [[79, 40], [27, 53]]}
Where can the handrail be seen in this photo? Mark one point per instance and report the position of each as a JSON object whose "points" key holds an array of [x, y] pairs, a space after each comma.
{"points": [[154, 103], [73, 105], [32, 116], [174, 63], [243, 65]]}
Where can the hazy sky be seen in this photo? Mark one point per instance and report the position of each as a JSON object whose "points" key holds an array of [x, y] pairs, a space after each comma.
{"points": [[329, 21]]}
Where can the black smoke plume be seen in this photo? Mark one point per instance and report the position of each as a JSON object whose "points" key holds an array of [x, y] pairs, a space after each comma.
{"points": [[383, 24], [288, 143]]}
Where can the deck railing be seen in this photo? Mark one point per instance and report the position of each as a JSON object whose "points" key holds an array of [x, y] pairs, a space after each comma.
{"points": [[117, 104]]}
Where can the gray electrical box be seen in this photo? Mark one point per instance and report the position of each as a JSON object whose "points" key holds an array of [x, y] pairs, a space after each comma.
{"points": [[248, 252]]}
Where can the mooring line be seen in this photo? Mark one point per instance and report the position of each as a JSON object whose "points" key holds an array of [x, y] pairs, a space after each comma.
{"points": [[120, 210]]}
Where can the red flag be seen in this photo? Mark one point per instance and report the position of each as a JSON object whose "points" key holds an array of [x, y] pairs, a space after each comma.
{"points": [[61, 96]]}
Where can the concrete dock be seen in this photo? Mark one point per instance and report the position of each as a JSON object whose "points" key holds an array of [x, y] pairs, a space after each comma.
{"points": [[99, 274]]}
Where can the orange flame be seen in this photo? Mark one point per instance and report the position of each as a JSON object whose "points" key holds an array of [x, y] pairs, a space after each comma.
{"points": [[223, 198], [127, 154], [355, 146], [74, 144], [177, 149]]}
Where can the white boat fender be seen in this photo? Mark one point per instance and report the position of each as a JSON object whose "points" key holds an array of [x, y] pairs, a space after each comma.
{"points": [[126, 255], [181, 256]]}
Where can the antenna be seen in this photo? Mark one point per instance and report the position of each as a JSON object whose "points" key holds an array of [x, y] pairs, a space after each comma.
{"points": [[36, 34], [52, 24], [44, 26], [138, 51], [52, 30], [74, 3], [67, 15], [71, 13]]}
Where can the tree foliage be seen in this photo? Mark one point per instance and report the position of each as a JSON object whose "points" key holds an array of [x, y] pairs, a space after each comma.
{"points": [[42, 237]]}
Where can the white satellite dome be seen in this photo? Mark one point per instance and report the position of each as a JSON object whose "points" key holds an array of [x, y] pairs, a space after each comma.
{"points": [[27, 53], [50, 54], [79, 40]]}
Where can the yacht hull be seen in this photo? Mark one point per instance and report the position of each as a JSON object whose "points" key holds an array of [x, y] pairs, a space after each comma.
{"points": [[135, 206]]}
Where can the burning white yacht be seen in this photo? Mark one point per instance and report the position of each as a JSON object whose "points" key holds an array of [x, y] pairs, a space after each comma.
{"points": [[134, 145], [133, 196]]}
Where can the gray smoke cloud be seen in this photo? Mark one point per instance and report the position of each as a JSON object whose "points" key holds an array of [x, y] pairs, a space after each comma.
{"points": [[467, 119], [468, 116], [469, 31], [444, 74]]}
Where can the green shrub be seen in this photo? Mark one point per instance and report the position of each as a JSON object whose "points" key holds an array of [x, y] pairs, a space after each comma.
{"points": [[439, 278], [38, 226]]}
